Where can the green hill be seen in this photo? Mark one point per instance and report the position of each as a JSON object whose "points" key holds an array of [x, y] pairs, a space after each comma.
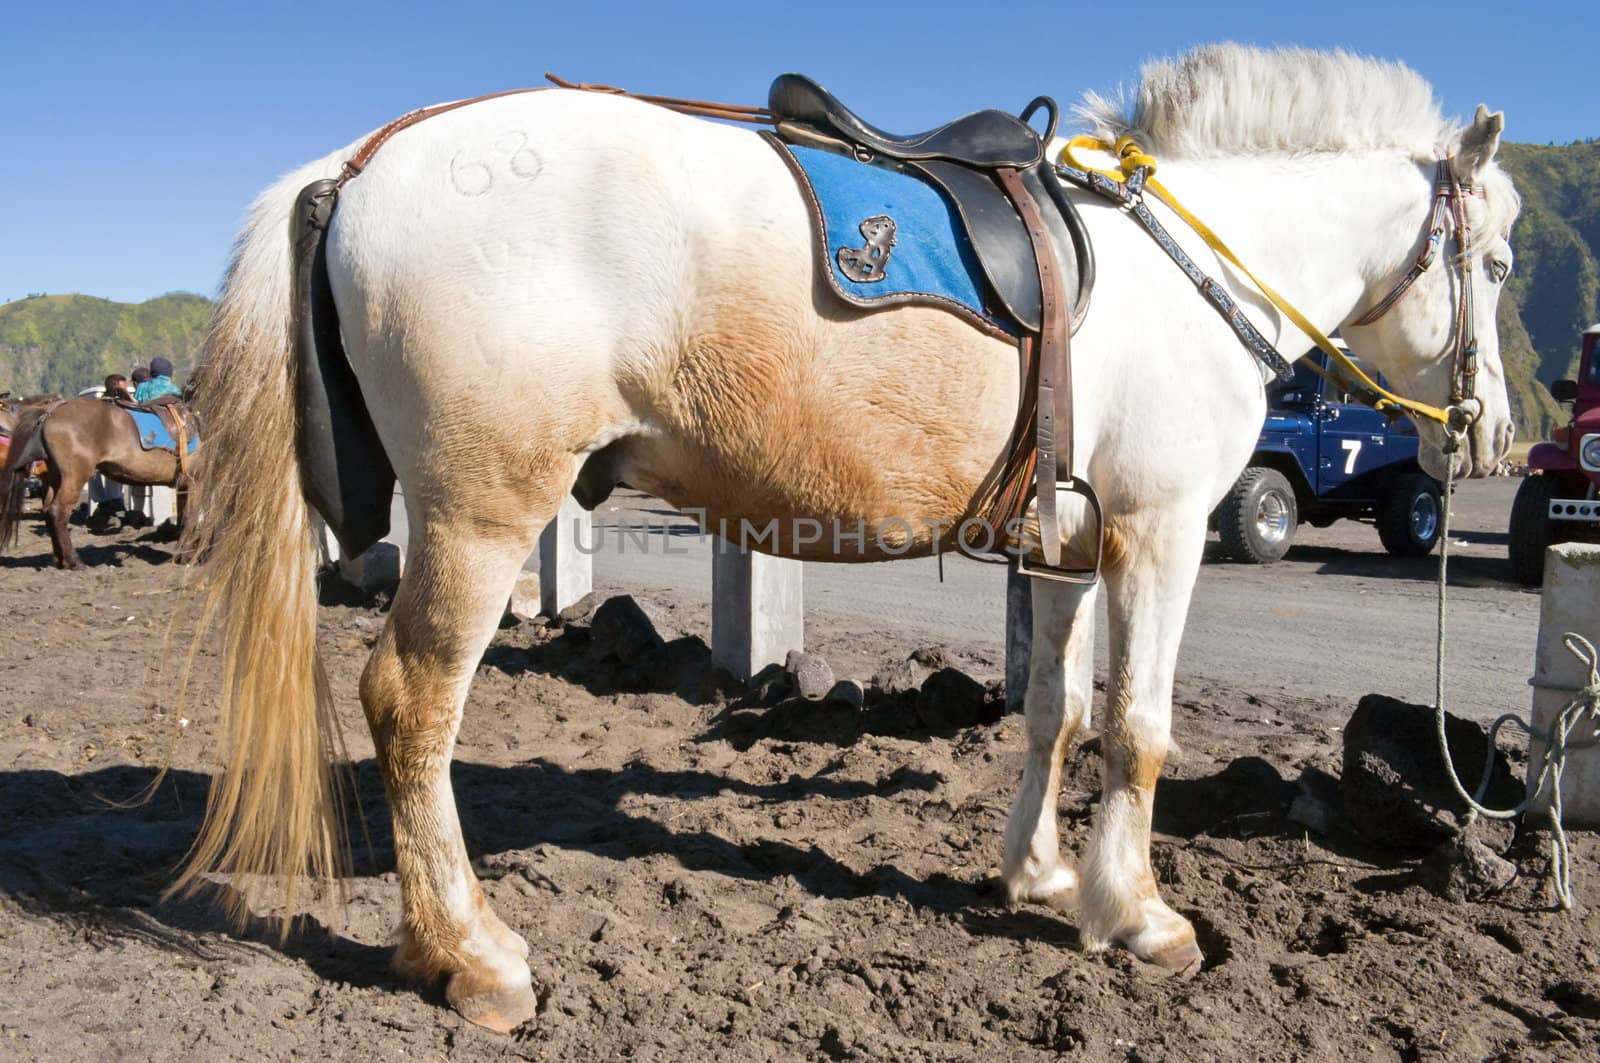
{"points": [[1554, 292], [62, 343]]}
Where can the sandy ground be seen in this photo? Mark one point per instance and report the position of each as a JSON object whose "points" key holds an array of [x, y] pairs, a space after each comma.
{"points": [[702, 877]]}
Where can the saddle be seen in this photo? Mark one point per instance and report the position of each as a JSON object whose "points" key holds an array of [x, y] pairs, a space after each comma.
{"points": [[1034, 252], [172, 415]]}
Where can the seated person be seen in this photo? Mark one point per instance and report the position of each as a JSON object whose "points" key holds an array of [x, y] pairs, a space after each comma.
{"points": [[118, 389], [159, 385]]}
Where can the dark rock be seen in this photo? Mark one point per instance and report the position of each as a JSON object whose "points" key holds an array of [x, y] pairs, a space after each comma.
{"points": [[679, 665], [813, 676], [1312, 814], [578, 611], [950, 700], [1396, 792], [621, 629], [907, 676], [846, 692], [769, 686], [1316, 805], [994, 703], [1463, 868]]}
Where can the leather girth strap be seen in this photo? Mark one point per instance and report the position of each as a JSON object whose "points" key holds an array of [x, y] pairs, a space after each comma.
{"points": [[180, 432], [1054, 388]]}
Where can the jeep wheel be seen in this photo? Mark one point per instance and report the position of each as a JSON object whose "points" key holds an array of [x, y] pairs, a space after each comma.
{"points": [[1257, 520], [1531, 528], [1411, 515]]}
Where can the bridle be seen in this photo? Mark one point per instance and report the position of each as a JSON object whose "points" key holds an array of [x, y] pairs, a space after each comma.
{"points": [[1449, 205]]}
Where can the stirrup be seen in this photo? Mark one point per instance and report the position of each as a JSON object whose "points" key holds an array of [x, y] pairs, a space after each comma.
{"points": [[1060, 573]]}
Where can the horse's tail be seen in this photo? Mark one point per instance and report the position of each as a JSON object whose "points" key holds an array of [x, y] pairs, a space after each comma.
{"points": [[27, 447], [274, 812]]}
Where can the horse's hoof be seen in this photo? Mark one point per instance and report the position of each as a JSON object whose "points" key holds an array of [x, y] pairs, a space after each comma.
{"points": [[499, 1009], [1057, 889], [1183, 960]]}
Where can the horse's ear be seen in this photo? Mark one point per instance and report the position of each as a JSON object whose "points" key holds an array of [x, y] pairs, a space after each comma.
{"points": [[1479, 142]]}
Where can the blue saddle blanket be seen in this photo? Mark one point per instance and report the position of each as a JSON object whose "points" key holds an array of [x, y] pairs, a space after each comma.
{"points": [[155, 435], [890, 238]]}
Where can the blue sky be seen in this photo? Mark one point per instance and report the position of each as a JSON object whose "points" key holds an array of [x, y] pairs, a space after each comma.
{"points": [[132, 136]]}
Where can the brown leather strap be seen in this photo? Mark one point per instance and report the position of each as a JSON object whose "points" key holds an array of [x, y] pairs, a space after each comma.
{"points": [[705, 109], [1054, 421], [730, 112], [358, 162], [181, 430]]}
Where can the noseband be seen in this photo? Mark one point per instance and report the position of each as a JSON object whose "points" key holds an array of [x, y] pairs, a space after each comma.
{"points": [[1449, 204]]}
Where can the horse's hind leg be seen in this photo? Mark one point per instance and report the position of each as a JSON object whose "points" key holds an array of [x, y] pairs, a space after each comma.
{"points": [[1060, 688], [458, 576], [58, 517], [1148, 599]]}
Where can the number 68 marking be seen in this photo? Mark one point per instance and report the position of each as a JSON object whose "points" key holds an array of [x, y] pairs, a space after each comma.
{"points": [[472, 177]]}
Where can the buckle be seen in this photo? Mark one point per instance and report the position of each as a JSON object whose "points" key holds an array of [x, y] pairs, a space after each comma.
{"points": [[1060, 573]]}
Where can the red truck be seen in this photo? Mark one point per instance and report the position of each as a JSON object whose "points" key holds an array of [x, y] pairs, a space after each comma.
{"points": [[1560, 499]]}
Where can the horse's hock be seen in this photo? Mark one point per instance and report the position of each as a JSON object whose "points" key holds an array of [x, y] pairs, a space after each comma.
{"points": [[1571, 604]]}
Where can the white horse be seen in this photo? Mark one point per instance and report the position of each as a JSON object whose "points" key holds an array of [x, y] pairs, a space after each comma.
{"points": [[526, 280]]}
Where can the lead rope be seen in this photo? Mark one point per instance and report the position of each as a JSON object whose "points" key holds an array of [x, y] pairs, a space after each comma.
{"points": [[1585, 704]]}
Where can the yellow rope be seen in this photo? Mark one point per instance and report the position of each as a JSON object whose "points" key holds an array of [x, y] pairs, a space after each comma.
{"points": [[1131, 158]]}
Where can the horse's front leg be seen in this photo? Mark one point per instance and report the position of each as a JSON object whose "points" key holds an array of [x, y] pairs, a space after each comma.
{"points": [[1148, 598], [413, 690], [1060, 689]]}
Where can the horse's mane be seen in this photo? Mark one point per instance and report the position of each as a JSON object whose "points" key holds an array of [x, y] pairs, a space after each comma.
{"points": [[1230, 99]]}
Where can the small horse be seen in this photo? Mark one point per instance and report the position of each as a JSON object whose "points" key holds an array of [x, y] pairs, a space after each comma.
{"points": [[528, 280], [76, 438]]}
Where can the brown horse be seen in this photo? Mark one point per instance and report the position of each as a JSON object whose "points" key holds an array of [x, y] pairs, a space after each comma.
{"points": [[76, 438], [11, 408]]}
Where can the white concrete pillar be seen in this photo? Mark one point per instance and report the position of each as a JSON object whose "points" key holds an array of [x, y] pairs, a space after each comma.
{"points": [[327, 542], [1019, 636], [566, 559], [1571, 603], [163, 505], [757, 609]]}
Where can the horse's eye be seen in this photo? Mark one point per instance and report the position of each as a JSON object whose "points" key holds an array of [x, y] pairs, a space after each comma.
{"points": [[1498, 271]]}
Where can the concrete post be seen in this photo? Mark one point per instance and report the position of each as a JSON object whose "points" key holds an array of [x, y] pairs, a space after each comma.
{"points": [[163, 505], [757, 609], [1571, 603], [378, 568], [566, 559], [1019, 636], [327, 544]]}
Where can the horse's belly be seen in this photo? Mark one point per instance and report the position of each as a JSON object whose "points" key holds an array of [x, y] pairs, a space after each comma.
{"points": [[866, 437]]}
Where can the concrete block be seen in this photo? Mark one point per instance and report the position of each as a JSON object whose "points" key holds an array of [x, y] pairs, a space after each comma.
{"points": [[1571, 603], [566, 561], [163, 505], [377, 569], [525, 603], [757, 609], [327, 542]]}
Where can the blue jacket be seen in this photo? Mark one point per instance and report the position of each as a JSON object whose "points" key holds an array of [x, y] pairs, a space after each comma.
{"points": [[154, 388]]}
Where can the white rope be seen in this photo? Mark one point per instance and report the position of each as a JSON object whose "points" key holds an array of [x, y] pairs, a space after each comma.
{"points": [[1584, 705]]}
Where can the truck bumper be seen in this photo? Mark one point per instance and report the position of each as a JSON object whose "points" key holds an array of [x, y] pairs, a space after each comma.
{"points": [[1586, 510]]}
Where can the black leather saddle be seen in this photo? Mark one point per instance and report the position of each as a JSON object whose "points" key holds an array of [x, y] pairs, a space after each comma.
{"points": [[962, 159], [1034, 253], [984, 139]]}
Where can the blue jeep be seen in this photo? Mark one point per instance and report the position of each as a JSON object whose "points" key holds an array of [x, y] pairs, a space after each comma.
{"points": [[1324, 456]]}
